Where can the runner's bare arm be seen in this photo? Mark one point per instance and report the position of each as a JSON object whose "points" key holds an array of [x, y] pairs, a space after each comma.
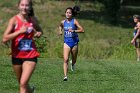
{"points": [[80, 28], [61, 28], [8, 35], [137, 34]]}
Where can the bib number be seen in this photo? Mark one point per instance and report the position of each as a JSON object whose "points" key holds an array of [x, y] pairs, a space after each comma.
{"points": [[25, 44], [68, 34]]}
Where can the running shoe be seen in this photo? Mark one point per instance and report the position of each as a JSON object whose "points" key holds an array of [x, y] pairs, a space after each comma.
{"points": [[70, 61], [32, 88], [65, 78], [138, 59], [72, 67]]}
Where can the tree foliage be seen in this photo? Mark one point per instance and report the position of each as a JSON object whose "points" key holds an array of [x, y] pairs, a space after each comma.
{"points": [[111, 9]]}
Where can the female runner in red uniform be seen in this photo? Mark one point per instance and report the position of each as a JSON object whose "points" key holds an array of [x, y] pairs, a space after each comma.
{"points": [[21, 30]]}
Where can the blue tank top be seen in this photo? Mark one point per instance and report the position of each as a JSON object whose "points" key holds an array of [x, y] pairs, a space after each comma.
{"points": [[135, 31], [70, 36]]}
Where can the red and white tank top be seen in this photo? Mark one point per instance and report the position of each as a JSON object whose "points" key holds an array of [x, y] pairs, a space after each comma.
{"points": [[23, 46]]}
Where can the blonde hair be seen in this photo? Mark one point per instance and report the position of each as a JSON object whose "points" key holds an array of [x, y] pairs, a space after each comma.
{"points": [[137, 17]]}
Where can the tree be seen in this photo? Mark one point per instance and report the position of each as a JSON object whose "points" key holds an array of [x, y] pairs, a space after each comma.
{"points": [[111, 9]]}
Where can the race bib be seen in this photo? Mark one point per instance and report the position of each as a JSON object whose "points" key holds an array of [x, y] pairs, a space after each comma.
{"points": [[25, 44], [68, 34]]}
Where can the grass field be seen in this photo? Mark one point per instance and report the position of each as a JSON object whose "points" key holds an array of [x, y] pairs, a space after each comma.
{"points": [[90, 76]]}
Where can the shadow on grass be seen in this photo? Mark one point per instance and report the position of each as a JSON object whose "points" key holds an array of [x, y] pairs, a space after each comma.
{"points": [[124, 18]]}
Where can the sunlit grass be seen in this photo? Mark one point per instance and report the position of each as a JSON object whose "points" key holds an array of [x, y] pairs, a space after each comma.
{"points": [[90, 76]]}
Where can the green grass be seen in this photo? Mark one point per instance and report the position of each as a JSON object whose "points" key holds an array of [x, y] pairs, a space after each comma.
{"points": [[90, 76]]}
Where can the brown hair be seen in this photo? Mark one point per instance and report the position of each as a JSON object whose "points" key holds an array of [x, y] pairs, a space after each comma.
{"points": [[74, 10]]}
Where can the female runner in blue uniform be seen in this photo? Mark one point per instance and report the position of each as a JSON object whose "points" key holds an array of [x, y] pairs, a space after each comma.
{"points": [[71, 27]]}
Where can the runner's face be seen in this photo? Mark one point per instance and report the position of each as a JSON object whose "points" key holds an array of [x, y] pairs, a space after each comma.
{"points": [[24, 7], [68, 13]]}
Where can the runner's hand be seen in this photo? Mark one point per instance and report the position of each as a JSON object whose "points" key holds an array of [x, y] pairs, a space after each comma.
{"points": [[133, 41], [38, 34], [23, 29], [70, 30]]}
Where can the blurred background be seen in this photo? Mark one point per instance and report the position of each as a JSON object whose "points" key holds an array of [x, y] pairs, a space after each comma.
{"points": [[108, 27]]}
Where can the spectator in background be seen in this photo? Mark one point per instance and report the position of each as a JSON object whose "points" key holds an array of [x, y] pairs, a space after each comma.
{"points": [[136, 34]]}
